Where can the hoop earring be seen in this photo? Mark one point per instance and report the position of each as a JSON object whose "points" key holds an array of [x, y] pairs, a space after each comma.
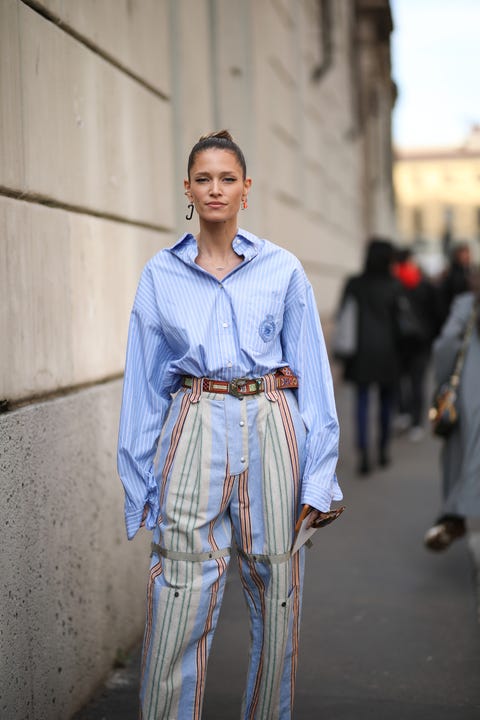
{"points": [[189, 214]]}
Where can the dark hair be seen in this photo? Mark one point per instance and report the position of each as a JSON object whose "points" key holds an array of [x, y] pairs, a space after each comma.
{"points": [[380, 255], [220, 140], [402, 255]]}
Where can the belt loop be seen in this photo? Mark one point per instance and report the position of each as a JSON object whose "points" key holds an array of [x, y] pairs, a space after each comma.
{"points": [[196, 389], [270, 387]]}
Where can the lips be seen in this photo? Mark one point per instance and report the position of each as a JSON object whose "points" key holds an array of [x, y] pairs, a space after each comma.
{"points": [[215, 205]]}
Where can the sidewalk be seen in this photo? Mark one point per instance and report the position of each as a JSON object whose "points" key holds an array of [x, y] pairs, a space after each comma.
{"points": [[389, 629]]}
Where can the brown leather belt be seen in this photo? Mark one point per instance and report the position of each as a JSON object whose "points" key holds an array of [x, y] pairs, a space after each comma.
{"points": [[240, 387]]}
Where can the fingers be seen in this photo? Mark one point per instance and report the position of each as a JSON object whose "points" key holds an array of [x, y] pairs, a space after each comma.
{"points": [[321, 519]]}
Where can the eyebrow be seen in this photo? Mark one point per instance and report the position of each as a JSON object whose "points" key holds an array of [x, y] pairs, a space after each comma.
{"points": [[223, 172]]}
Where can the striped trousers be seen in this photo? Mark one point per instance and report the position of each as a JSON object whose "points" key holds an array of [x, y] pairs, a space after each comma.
{"points": [[228, 469]]}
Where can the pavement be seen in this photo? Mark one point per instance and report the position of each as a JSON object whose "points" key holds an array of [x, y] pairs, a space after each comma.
{"points": [[390, 630]]}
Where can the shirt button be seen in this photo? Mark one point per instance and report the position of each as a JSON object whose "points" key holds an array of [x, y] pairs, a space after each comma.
{"points": [[242, 459], [242, 423], [225, 324], [229, 363]]}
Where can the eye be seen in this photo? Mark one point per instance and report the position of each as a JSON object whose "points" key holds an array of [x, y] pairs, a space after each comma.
{"points": [[230, 179], [201, 180]]}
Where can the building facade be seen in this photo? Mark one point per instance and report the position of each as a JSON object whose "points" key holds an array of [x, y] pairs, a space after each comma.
{"points": [[438, 198], [100, 103]]}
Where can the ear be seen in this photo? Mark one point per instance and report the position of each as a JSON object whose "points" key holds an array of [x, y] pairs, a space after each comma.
{"points": [[186, 185], [247, 184]]}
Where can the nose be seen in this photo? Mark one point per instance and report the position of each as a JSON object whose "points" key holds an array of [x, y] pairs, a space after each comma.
{"points": [[215, 187]]}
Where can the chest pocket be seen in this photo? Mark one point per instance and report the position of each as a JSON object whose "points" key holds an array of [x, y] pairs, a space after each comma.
{"points": [[264, 321]]}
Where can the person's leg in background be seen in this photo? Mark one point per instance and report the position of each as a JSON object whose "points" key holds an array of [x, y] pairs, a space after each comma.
{"points": [[402, 410], [362, 398], [418, 369], [385, 396]]}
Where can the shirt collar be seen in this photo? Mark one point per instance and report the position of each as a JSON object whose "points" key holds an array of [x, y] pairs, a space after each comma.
{"points": [[244, 243]]}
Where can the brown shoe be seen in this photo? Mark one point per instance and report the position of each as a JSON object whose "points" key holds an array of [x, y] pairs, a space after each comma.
{"points": [[441, 535]]}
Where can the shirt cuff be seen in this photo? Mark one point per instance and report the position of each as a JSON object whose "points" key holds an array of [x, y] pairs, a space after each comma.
{"points": [[133, 518], [134, 514], [318, 497]]}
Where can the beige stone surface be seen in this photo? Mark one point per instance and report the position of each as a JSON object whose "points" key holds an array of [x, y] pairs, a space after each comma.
{"points": [[193, 98], [135, 33], [11, 137], [90, 135], [76, 586], [309, 168], [67, 284]]}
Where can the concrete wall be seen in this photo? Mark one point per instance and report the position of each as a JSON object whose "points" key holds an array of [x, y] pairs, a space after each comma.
{"points": [[100, 103], [75, 587]]}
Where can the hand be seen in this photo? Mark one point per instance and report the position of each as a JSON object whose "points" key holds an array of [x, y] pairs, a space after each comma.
{"points": [[144, 515], [318, 519]]}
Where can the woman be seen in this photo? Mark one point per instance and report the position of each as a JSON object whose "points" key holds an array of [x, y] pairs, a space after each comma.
{"points": [[227, 385], [375, 360], [461, 451]]}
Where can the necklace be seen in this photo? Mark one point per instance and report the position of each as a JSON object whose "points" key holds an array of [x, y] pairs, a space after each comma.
{"points": [[210, 264]]}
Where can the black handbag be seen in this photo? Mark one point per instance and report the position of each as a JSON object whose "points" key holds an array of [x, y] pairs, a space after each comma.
{"points": [[443, 413]]}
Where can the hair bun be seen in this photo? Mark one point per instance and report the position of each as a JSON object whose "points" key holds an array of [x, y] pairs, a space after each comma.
{"points": [[220, 134]]}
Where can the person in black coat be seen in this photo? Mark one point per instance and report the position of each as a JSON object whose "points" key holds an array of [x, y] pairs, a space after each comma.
{"points": [[415, 351], [375, 361], [457, 278]]}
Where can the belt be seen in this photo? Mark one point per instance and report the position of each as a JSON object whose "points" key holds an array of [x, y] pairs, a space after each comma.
{"points": [[284, 379]]}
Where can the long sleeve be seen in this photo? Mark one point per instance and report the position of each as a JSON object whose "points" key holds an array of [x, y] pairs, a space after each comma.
{"points": [[448, 343], [305, 351], [145, 403]]}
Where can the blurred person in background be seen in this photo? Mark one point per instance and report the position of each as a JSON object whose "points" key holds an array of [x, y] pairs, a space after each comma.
{"points": [[457, 277], [460, 455], [415, 350], [375, 361]]}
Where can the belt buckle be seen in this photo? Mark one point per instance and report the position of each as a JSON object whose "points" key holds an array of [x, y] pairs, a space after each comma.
{"points": [[235, 386]]}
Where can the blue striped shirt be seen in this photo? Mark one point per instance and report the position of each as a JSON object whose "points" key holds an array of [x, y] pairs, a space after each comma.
{"points": [[184, 321]]}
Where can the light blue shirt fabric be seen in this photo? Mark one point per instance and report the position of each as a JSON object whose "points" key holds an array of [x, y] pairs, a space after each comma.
{"points": [[184, 321]]}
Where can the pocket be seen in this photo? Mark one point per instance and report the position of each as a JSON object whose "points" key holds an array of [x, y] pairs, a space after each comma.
{"points": [[264, 320]]}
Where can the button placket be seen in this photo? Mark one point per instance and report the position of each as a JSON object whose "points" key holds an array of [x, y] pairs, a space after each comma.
{"points": [[236, 416]]}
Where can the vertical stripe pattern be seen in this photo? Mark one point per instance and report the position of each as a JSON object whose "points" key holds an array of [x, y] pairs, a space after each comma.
{"points": [[260, 317], [203, 497]]}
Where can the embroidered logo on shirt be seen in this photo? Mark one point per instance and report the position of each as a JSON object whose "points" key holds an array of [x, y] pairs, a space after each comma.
{"points": [[267, 328]]}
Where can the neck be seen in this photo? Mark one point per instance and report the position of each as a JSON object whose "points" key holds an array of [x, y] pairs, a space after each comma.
{"points": [[216, 238], [215, 251]]}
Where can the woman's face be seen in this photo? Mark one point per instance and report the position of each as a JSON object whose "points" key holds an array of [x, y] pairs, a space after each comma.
{"points": [[216, 185]]}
